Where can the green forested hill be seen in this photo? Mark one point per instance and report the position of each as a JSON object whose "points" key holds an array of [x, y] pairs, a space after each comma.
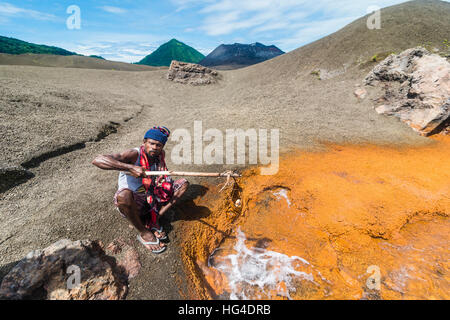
{"points": [[16, 46], [172, 50]]}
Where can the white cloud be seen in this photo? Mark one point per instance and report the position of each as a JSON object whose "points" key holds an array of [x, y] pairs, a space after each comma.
{"points": [[226, 16], [184, 4], [282, 25], [117, 50], [99, 46], [295, 22], [205, 51], [115, 10], [137, 52], [312, 31], [9, 10], [243, 6]]}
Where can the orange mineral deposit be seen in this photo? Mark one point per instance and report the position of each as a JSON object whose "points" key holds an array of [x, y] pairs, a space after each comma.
{"points": [[351, 222]]}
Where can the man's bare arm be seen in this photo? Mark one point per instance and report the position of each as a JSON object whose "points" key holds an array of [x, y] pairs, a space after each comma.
{"points": [[120, 161]]}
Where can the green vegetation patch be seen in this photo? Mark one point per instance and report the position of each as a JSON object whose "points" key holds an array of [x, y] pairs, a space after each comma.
{"points": [[172, 50], [15, 46]]}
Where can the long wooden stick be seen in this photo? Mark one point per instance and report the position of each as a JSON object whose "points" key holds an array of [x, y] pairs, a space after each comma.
{"points": [[192, 174]]}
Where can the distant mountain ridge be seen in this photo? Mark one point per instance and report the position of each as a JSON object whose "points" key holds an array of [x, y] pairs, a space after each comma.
{"points": [[18, 52], [97, 57], [238, 55], [172, 50], [16, 46], [72, 61]]}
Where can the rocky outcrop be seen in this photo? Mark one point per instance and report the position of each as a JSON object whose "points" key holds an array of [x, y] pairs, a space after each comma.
{"points": [[417, 89], [72, 270], [190, 73]]}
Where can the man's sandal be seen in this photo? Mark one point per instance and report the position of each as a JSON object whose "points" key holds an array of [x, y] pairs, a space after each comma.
{"points": [[159, 230], [151, 243]]}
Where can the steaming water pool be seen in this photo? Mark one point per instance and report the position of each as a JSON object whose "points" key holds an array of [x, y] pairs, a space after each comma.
{"points": [[259, 273], [353, 222]]}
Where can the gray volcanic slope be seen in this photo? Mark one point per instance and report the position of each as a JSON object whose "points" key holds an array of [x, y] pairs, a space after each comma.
{"points": [[407, 25]]}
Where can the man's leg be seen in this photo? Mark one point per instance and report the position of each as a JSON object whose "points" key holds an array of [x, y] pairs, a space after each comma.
{"points": [[176, 196], [127, 206]]}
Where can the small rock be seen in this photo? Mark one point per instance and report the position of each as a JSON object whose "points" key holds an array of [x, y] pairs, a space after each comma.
{"points": [[383, 109], [360, 93], [113, 248]]}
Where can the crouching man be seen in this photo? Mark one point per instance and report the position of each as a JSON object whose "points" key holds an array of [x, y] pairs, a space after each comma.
{"points": [[141, 199]]}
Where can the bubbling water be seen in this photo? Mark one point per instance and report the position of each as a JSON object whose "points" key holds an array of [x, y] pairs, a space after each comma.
{"points": [[283, 193], [259, 273], [372, 221]]}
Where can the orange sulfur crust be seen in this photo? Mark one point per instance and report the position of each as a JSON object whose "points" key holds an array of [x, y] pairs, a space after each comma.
{"points": [[351, 207]]}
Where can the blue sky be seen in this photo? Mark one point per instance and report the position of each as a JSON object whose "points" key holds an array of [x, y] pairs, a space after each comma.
{"points": [[128, 30]]}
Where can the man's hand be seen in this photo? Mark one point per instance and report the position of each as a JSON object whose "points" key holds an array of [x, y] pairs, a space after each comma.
{"points": [[137, 171]]}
